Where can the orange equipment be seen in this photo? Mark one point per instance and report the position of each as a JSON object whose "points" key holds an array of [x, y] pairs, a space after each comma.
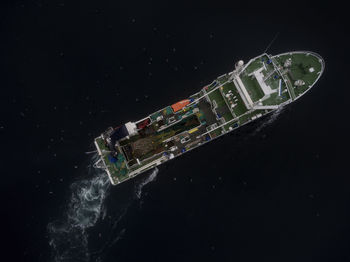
{"points": [[179, 105]]}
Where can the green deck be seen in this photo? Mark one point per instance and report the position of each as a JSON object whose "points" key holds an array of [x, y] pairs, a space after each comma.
{"points": [[301, 64], [217, 97], [240, 108], [253, 87]]}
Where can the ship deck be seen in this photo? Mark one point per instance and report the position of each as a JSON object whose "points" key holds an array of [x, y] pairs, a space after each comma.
{"points": [[262, 85]]}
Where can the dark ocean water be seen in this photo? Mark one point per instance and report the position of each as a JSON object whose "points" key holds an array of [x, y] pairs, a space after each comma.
{"points": [[274, 190]]}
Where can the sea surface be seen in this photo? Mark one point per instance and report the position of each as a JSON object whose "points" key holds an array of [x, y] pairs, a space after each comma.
{"points": [[274, 190]]}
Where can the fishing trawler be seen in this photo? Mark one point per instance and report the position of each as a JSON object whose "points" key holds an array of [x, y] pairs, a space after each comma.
{"points": [[249, 92]]}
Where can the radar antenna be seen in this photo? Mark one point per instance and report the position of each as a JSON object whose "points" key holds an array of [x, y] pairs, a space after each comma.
{"points": [[270, 44]]}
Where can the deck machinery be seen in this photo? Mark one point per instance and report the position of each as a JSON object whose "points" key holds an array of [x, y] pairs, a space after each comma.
{"points": [[250, 91]]}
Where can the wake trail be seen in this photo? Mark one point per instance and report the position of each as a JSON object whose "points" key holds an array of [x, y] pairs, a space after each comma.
{"points": [[118, 229], [150, 178], [117, 233], [68, 235]]}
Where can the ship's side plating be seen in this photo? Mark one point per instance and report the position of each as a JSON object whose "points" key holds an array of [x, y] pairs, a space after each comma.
{"points": [[250, 91]]}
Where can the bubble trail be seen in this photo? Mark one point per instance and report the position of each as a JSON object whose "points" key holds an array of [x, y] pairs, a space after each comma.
{"points": [[68, 236], [150, 178]]}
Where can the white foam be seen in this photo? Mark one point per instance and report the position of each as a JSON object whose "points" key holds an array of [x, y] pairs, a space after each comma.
{"points": [[148, 179], [68, 236]]}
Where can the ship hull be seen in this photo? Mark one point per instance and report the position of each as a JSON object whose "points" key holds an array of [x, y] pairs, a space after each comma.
{"points": [[253, 90]]}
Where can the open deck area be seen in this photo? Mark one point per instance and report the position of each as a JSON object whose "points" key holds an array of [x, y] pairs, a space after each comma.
{"points": [[306, 67]]}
